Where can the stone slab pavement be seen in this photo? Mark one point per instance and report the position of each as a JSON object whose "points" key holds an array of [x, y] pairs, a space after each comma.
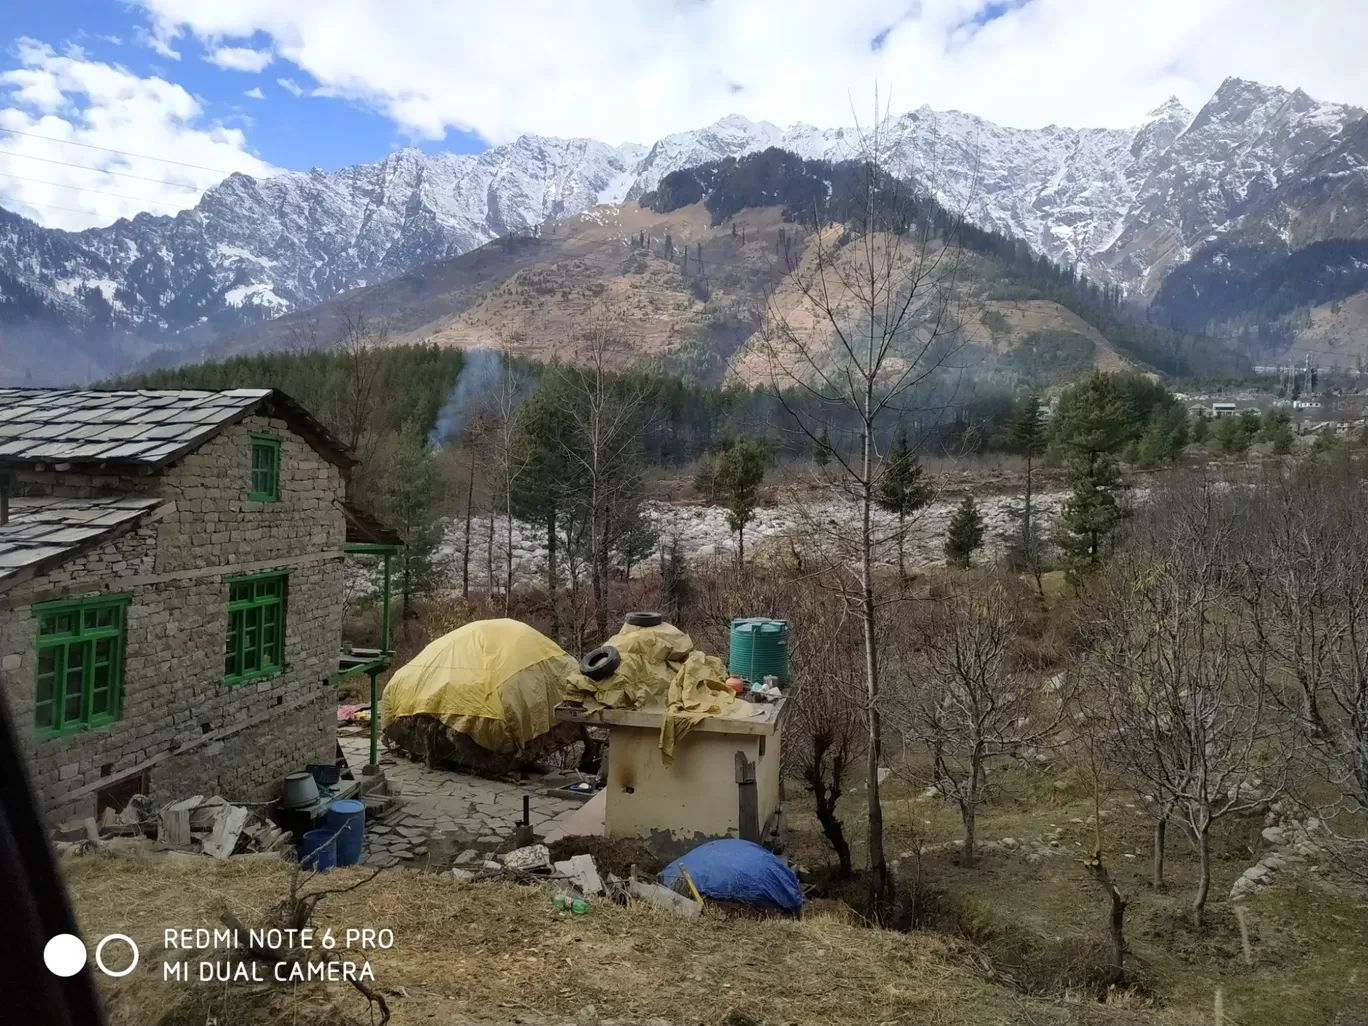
{"points": [[442, 811]]}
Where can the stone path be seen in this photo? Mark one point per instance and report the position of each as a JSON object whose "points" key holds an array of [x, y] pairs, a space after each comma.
{"points": [[442, 812]]}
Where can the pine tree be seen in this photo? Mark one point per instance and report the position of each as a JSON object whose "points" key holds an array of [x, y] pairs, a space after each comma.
{"points": [[965, 536], [544, 487], [411, 497], [1090, 515], [677, 581], [740, 472], [902, 490], [669, 247], [1094, 420], [1027, 433], [733, 229]]}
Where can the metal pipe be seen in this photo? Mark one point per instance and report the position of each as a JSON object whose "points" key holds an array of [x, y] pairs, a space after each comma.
{"points": [[385, 614], [374, 721]]}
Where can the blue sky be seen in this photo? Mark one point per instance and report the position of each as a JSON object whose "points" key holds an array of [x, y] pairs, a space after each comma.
{"points": [[295, 132], [167, 81]]}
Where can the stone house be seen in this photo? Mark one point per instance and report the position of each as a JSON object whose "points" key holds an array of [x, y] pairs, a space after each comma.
{"points": [[171, 591]]}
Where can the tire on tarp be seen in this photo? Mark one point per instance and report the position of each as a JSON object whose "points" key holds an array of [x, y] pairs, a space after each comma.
{"points": [[601, 663]]}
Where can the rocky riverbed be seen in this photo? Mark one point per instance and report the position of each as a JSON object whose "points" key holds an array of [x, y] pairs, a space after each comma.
{"points": [[704, 536]]}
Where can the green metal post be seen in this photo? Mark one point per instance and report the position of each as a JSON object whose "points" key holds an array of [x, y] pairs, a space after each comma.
{"points": [[385, 622], [374, 721]]}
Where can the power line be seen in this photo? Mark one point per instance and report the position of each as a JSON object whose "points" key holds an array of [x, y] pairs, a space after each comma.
{"points": [[100, 170], [54, 206], [78, 188], [109, 149]]}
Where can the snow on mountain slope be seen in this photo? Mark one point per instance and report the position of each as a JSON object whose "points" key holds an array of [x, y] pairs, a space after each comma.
{"points": [[1126, 204]]}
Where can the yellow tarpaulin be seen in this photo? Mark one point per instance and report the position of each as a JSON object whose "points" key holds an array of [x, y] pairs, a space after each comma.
{"points": [[662, 670], [496, 681]]}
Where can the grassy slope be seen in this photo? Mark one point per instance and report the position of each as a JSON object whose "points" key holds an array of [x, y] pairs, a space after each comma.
{"points": [[1309, 936], [493, 953]]}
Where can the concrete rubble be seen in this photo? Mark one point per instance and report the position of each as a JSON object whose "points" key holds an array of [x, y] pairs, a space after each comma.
{"points": [[210, 826]]}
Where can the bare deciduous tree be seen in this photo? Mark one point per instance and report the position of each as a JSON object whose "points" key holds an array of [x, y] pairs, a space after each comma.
{"points": [[862, 324], [1305, 561], [604, 415], [967, 706], [1185, 717], [824, 735]]}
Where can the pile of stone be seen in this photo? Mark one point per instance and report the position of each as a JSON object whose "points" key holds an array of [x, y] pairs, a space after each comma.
{"points": [[208, 826], [1290, 840]]}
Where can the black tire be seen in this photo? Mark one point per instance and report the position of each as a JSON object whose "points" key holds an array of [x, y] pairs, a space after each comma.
{"points": [[601, 663], [645, 619]]}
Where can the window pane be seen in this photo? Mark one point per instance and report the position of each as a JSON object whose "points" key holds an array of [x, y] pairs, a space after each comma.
{"points": [[251, 650], [46, 692], [270, 635], [100, 691], [74, 683], [231, 660]]}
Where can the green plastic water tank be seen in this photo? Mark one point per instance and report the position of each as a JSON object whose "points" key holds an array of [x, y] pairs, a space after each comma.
{"points": [[759, 649]]}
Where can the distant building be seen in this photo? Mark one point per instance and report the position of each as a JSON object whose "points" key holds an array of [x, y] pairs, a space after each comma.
{"points": [[1222, 409]]}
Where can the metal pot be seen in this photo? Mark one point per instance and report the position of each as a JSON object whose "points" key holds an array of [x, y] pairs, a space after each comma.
{"points": [[298, 789]]}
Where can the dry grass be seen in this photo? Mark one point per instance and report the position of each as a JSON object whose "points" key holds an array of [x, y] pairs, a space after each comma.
{"points": [[492, 953]]}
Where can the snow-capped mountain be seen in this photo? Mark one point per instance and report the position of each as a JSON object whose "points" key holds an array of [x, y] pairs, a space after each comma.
{"points": [[1127, 204]]}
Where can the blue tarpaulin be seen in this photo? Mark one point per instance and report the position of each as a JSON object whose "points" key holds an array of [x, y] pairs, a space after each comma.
{"points": [[735, 870]]}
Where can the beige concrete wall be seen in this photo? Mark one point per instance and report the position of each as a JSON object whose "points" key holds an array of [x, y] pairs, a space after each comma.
{"points": [[179, 722], [695, 799]]}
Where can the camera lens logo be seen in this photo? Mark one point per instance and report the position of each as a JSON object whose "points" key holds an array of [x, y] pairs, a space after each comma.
{"points": [[65, 955]]}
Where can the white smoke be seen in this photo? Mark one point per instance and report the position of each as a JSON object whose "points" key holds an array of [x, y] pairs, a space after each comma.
{"points": [[482, 368]]}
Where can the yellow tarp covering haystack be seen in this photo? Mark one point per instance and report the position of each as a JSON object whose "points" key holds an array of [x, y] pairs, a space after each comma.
{"points": [[661, 670], [497, 682]]}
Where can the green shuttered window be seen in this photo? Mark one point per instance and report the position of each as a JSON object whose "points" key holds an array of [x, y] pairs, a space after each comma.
{"points": [[265, 485], [79, 683], [256, 627]]}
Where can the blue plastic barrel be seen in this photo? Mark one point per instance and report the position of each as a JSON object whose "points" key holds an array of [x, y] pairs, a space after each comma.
{"points": [[318, 850], [348, 816]]}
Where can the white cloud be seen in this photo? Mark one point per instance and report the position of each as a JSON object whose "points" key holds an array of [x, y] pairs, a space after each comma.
{"points": [[628, 70], [255, 93], [159, 39], [58, 100], [290, 86], [240, 58]]}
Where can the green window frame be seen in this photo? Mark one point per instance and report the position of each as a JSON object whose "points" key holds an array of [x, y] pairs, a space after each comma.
{"points": [[265, 469], [79, 681], [255, 645]]}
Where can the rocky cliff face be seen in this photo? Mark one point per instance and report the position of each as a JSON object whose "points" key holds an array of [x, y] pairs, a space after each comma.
{"points": [[1128, 205]]}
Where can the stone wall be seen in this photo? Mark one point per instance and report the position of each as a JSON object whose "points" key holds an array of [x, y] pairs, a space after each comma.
{"points": [[179, 722]]}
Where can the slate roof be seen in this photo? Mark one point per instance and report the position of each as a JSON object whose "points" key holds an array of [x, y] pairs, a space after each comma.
{"points": [[142, 428], [43, 531]]}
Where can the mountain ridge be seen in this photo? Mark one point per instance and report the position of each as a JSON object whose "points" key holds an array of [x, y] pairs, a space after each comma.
{"points": [[1125, 205]]}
